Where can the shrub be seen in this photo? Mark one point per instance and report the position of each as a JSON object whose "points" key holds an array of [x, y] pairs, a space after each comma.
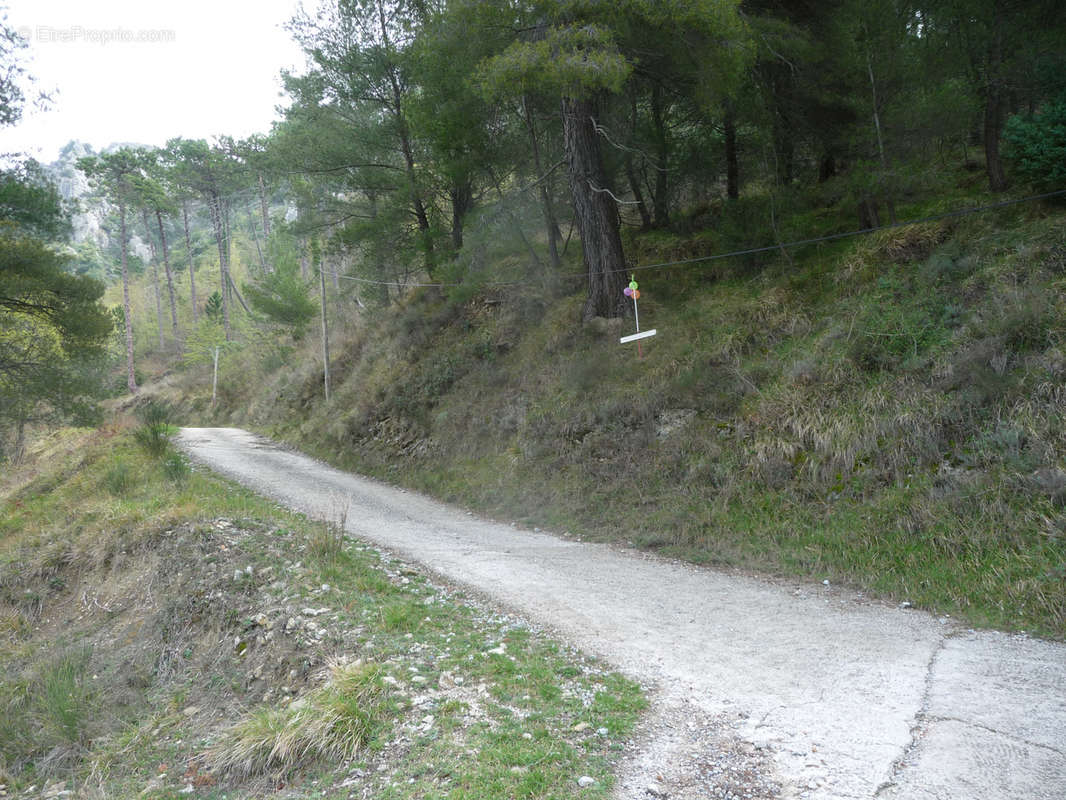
{"points": [[1037, 144], [154, 433]]}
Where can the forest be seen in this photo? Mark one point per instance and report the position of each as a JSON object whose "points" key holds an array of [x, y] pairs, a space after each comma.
{"points": [[423, 134]]}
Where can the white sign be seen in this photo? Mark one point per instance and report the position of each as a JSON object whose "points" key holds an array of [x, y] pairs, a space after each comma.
{"points": [[635, 336]]}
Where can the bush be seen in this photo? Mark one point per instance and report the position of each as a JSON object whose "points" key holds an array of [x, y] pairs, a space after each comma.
{"points": [[1036, 143], [64, 697], [154, 433]]}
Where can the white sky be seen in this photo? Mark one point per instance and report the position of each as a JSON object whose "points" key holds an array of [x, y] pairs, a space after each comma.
{"points": [[218, 74]]}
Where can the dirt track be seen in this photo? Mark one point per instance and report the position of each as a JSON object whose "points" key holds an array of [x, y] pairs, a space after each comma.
{"points": [[849, 699]]}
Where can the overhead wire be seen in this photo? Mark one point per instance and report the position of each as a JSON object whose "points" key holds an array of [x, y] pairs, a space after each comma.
{"points": [[737, 253]]}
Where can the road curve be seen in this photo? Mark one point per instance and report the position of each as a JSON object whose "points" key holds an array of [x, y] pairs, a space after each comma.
{"points": [[852, 698]]}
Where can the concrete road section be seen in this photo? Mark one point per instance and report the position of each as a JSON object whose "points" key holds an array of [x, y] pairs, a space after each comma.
{"points": [[845, 698]]}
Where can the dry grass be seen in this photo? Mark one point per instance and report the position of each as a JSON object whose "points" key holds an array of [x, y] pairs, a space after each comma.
{"points": [[330, 722]]}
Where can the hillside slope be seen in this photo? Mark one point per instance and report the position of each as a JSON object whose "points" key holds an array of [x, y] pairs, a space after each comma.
{"points": [[884, 410]]}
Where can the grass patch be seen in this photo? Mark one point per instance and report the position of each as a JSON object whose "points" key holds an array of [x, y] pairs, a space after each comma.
{"points": [[332, 721]]}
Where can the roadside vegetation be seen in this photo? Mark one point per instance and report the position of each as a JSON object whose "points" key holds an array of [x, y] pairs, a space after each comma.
{"points": [[164, 629]]}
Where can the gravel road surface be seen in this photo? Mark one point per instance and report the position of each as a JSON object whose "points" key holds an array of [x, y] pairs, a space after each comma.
{"points": [[759, 689]]}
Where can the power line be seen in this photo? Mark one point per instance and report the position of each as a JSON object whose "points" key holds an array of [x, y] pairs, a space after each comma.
{"points": [[962, 212]]}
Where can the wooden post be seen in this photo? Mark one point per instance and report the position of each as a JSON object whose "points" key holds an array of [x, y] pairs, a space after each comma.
{"points": [[325, 330], [214, 380]]}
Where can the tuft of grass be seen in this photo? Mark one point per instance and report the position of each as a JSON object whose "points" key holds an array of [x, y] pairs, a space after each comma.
{"points": [[48, 714], [119, 477], [176, 468], [401, 616], [330, 722], [63, 697], [326, 543]]}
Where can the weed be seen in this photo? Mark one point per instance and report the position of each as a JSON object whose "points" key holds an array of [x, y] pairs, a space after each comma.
{"points": [[401, 617], [1025, 319], [326, 542], [176, 468], [119, 477]]}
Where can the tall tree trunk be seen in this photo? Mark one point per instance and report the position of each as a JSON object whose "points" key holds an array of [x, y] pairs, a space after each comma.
{"points": [[216, 222], [20, 441], [732, 167], [638, 195], [515, 221], [264, 269], [170, 279], [462, 197], [155, 278], [993, 116], [192, 269], [660, 196], [827, 166], [876, 110], [224, 211], [595, 212], [325, 322], [131, 380], [263, 206], [889, 201], [631, 169], [782, 89], [550, 222], [404, 133], [785, 150]]}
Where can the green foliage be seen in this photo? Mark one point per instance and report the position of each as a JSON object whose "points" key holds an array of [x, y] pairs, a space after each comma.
{"points": [[176, 468], [572, 61], [213, 307], [1037, 144], [49, 713], [30, 201], [53, 327], [12, 73], [64, 697], [119, 478], [154, 433], [35, 285], [282, 295]]}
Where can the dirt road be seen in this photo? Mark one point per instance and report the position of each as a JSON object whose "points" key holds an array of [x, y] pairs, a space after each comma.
{"points": [[844, 698]]}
